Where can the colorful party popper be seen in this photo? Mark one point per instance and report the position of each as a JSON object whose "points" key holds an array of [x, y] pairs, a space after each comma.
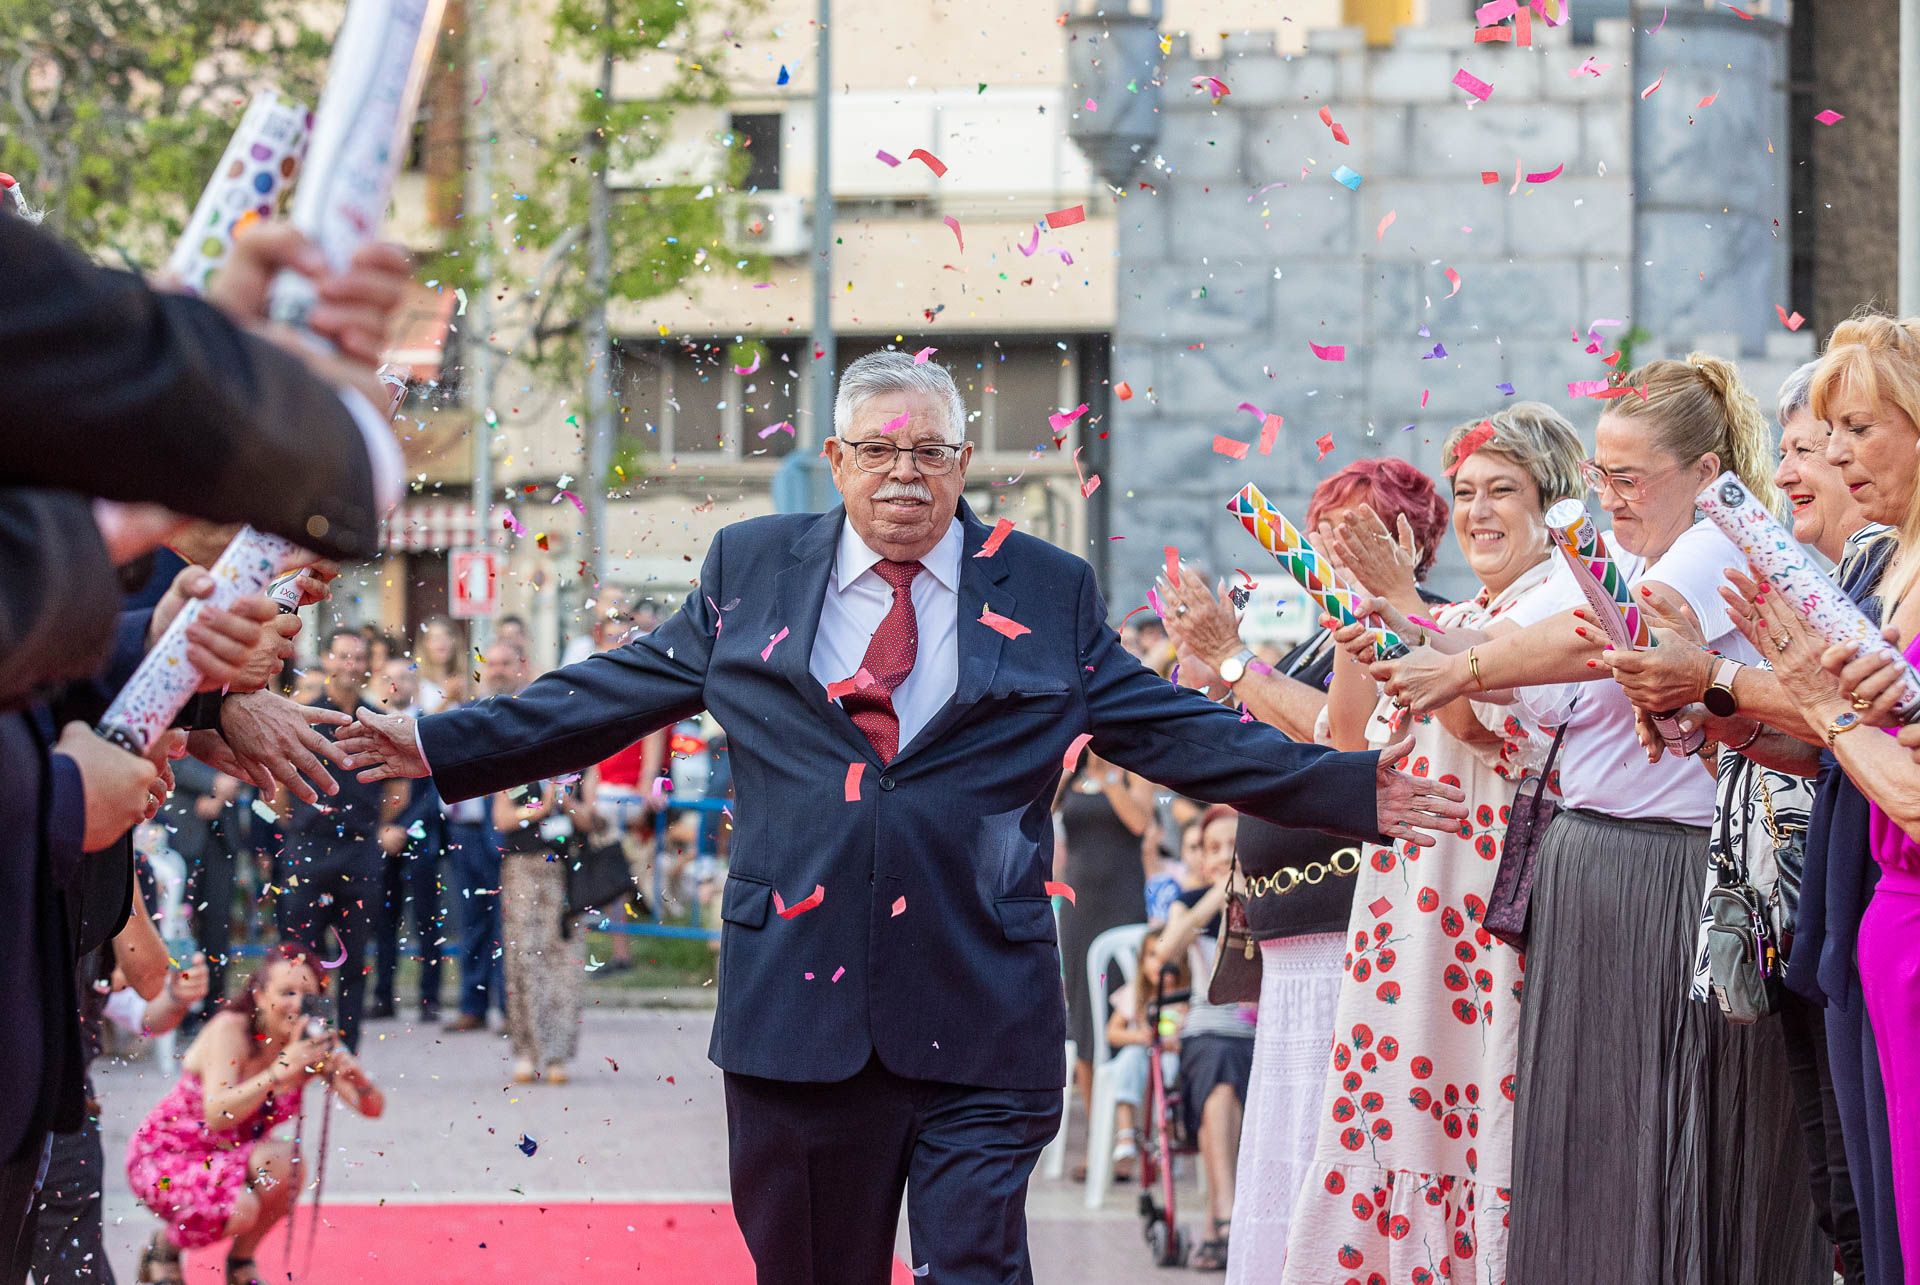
{"points": [[1775, 554], [1313, 572], [252, 182], [165, 680], [360, 134]]}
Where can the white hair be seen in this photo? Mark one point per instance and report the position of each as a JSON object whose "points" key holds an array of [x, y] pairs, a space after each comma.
{"points": [[893, 371], [1796, 394]]}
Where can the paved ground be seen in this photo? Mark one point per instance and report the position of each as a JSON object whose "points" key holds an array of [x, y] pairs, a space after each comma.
{"points": [[643, 1120]]}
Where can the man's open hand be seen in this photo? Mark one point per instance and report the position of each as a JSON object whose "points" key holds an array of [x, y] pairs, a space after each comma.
{"points": [[274, 738], [384, 747], [1413, 808]]}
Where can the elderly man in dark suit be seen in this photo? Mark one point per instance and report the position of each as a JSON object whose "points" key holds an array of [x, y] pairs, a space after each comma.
{"points": [[898, 698]]}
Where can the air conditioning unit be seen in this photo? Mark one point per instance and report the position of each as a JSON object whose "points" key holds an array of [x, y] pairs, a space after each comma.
{"points": [[772, 223]]}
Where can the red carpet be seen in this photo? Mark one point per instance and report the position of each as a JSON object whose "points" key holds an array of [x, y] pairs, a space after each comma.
{"points": [[478, 1244]]}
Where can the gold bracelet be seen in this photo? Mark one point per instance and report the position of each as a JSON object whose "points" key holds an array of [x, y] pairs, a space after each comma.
{"points": [[1473, 667]]}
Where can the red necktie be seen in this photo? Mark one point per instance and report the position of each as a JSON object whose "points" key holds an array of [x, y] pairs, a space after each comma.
{"points": [[889, 660]]}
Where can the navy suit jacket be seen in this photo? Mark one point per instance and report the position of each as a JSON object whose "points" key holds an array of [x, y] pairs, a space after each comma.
{"points": [[962, 984]]}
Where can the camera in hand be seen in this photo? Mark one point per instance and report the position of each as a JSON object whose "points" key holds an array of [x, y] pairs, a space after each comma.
{"points": [[320, 1015]]}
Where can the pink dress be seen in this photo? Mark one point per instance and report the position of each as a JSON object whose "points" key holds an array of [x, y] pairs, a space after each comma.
{"points": [[190, 1175], [1889, 947]]}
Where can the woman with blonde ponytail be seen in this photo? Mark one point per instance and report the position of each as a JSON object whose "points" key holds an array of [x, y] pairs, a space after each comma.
{"points": [[1631, 1096]]}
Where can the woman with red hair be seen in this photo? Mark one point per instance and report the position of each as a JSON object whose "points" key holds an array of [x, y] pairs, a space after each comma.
{"points": [[204, 1159]]}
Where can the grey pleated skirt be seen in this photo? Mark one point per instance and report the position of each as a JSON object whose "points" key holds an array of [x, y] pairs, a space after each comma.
{"points": [[1654, 1142]]}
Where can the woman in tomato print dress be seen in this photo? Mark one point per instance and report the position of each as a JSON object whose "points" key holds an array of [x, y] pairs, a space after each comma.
{"points": [[1412, 1169]]}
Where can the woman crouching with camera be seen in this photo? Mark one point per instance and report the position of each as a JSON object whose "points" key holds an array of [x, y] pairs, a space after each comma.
{"points": [[204, 1159]]}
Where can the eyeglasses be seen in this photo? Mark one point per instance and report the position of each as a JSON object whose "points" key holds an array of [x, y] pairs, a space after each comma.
{"points": [[879, 457], [1624, 485]]}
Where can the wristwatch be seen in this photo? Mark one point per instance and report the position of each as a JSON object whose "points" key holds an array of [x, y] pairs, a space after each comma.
{"points": [[1846, 722], [1718, 697], [1234, 667]]}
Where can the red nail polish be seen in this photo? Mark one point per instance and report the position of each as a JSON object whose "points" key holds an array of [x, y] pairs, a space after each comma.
{"points": [[1593, 664]]}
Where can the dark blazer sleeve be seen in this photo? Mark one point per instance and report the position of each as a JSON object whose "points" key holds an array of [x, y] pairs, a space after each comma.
{"points": [[1176, 737], [58, 594], [119, 391], [572, 718]]}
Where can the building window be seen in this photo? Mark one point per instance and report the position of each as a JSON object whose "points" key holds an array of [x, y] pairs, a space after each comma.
{"points": [[709, 397], [757, 135]]}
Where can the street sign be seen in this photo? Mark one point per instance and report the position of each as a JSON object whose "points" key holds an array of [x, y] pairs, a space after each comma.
{"points": [[473, 583]]}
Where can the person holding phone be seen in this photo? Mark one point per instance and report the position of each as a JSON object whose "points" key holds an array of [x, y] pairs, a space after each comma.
{"points": [[205, 1159]]}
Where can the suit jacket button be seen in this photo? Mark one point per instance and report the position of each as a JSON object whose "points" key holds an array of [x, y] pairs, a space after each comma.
{"points": [[886, 783]]}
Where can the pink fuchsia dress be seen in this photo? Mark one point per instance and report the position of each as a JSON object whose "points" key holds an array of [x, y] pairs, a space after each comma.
{"points": [[190, 1175], [1889, 947]]}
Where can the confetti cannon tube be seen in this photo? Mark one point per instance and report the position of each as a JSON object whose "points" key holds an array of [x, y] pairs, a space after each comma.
{"points": [[252, 182], [1600, 579], [165, 679], [374, 80], [1314, 573], [1775, 554]]}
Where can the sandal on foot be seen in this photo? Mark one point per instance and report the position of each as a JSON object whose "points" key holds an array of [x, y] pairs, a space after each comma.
{"points": [[1211, 1255], [1125, 1152], [160, 1262]]}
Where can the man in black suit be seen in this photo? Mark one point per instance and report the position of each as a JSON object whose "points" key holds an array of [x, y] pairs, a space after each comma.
{"points": [[899, 699]]}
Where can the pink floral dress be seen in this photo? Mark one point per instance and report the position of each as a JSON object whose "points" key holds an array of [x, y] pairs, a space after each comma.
{"points": [[1410, 1178], [191, 1175]]}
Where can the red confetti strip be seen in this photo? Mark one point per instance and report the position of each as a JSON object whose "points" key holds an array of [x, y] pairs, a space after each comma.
{"points": [[1387, 222], [1080, 742], [1270, 432], [1476, 437], [1325, 443], [1328, 352], [1791, 323], [852, 791], [784, 426], [996, 538], [798, 908], [1228, 447], [1379, 906], [1123, 390], [1063, 420], [1057, 889], [954, 223], [1492, 35], [847, 686], [1706, 102], [1065, 218], [1547, 176], [767, 651], [1648, 91], [934, 163], [1001, 625], [1489, 176], [1172, 554]]}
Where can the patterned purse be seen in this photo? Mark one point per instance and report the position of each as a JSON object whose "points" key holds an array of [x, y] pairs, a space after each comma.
{"points": [[1527, 818], [1236, 960]]}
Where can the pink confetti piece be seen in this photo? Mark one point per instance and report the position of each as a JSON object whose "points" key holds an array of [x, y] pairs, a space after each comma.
{"points": [[1494, 11], [782, 427], [838, 973], [1586, 387], [571, 498], [1493, 36], [1591, 67], [1793, 322], [1454, 278], [1123, 390], [1648, 91], [1707, 101], [1489, 176], [1066, 218], [767, 651], [1001, 625], [1829, 117], [338, 940], [899, 907], [932, 162], [1171, 554], [954, 223], [1092, 106], [748, 370], [1655, 29], [897, 423], [995, 538], [1063, 420], [1055, 888], [1080, 742], [1328, 352], [808, 976], [852, 790], [1425, 393], [1385, 223], [920, 358], [1547, 176], [847, 686], [813, 899], [1064, 256], [1228, 447], [1424, 623], [512, 523], [1270, 432], [1250, 409], [1028, 249], [1325, 443], [1379, 906], [1213, 85], [888, 157], [1742, 14], [1472, 84], [1088, 485]]}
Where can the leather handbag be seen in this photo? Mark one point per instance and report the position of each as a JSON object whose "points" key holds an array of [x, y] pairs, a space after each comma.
{"points": [[1741, 955], [1527, 818], [1236, 960], [598, 875]]}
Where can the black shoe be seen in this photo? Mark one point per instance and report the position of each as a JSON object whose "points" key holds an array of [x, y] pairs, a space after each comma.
{"points": [[381, 1011], [429, 1011]]}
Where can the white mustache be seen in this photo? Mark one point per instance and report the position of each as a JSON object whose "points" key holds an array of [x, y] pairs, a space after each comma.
{"points": [[904, 491]]}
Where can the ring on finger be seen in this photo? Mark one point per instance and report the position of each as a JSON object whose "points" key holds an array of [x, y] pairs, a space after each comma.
{"points": [[1860, 702], [1781, 642], [1180, 610]]}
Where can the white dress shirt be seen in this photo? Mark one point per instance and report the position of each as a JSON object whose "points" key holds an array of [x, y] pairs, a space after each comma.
{"points": [[858, 600]]}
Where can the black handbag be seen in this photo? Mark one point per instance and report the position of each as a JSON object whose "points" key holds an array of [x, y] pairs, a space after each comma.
{"points": [[1527, 818], [1236, 960], [598, 875], [1740, 951]]}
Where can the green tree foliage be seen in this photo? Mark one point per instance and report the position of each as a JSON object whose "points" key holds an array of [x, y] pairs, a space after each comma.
{"points": [[113, 113]]}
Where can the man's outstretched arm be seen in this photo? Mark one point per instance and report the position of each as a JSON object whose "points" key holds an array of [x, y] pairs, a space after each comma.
{"points": [[564, 721]]}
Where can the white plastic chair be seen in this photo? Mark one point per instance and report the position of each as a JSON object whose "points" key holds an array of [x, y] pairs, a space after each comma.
{"points": [[171, 918], [1117, 950]]}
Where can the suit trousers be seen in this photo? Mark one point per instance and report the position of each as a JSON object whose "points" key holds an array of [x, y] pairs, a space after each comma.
{"points": [[1855, 1062], [70, 1246], [1814, 1103], [818, 1171], [411, 891], [473, 859], [20, 1179], [333, 882]]}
